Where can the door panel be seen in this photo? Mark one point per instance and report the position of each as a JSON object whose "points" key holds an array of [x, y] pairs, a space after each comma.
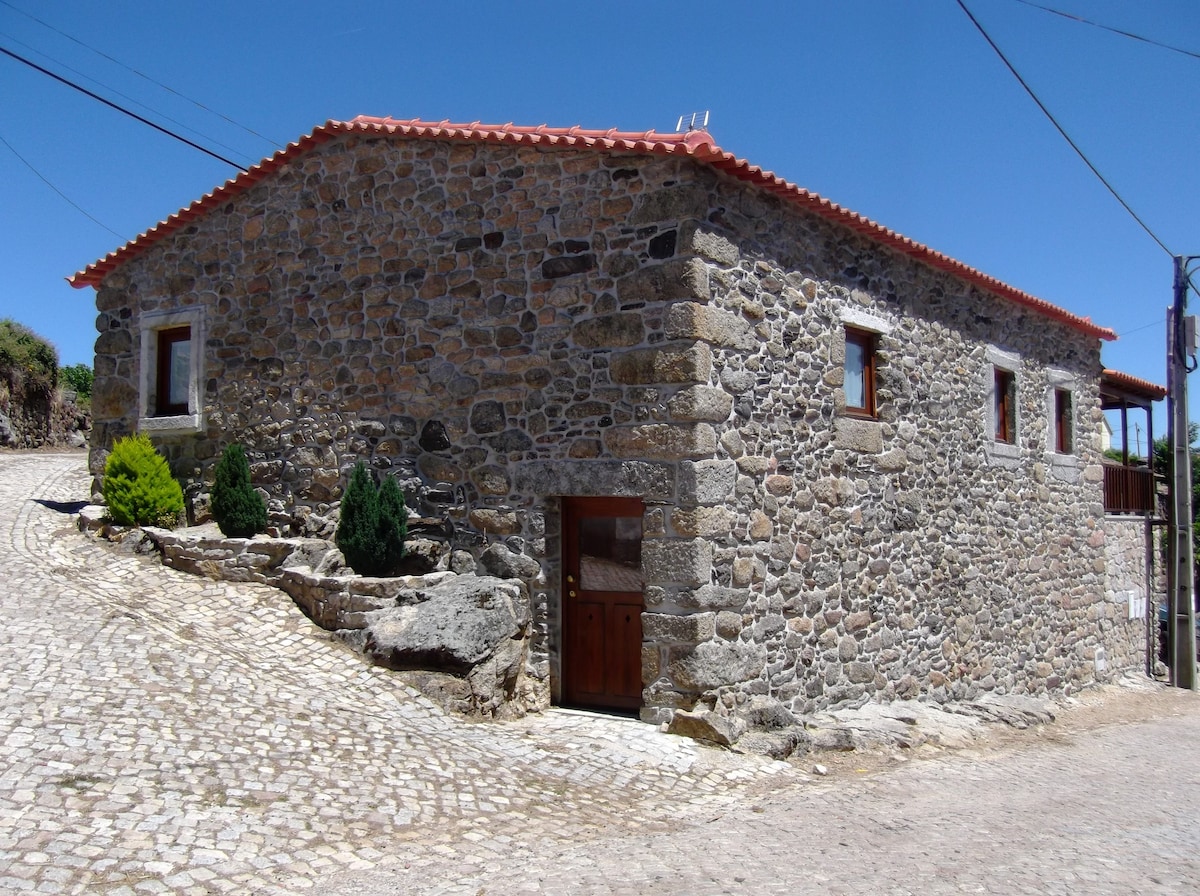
{"points": [[588, 645], [602, 602], [625, 649]]}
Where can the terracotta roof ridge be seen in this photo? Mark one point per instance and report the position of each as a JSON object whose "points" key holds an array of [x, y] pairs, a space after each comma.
{"points": [[698, 144]]}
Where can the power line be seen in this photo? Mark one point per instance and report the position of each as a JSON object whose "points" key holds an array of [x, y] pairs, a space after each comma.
{"points": [[67, 198], [123, 96], [1079, 152], [1157, 323], [1081, 20], [146, 77], [121, 109]]}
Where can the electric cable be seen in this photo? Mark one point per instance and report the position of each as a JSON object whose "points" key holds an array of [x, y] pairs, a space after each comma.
{"points": [[144, 76], [1082, 20], [1157, 323], [67, 198], [121, 109], [1079, 152], [112, 90]]}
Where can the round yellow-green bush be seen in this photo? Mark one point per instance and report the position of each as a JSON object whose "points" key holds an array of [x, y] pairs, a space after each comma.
{"points": [[138, 487]]}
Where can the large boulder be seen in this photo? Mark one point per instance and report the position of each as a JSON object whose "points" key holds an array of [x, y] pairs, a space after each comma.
{"points": [[474, 629]]}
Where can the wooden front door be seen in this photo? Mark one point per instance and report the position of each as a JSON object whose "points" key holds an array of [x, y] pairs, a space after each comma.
{"points": [[602, 603]]}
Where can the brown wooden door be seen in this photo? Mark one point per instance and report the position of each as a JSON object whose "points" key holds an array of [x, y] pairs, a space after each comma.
{"points": [[602, 603]]}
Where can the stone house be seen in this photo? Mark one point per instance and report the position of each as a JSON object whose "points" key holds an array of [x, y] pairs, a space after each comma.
{"points": [[756, 443]]}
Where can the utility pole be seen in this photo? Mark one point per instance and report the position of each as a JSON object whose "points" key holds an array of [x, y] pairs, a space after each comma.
{"points": [[1181, 602]]}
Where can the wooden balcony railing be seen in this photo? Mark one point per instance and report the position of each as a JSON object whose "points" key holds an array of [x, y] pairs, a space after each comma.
{"points": [[1128, 489]]}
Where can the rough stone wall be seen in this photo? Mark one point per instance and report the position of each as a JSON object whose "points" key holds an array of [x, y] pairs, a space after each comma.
{"points": [[34, 417], [447, 312], [504, 325], [899, 557], [1127, 590]]}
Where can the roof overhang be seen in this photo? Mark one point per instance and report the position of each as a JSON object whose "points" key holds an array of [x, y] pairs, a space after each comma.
{"points": [[1118, 390]]}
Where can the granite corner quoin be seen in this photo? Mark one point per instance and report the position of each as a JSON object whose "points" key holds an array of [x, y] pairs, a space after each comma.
{"points": [[508, 324]]}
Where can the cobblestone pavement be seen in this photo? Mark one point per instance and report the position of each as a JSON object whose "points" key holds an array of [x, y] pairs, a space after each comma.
{"points": [[163, 733]]}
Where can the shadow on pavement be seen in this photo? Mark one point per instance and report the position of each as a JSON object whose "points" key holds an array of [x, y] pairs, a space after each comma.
{"points": [[62, 506]]}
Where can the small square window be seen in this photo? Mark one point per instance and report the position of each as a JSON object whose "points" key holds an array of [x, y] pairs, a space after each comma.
{"points": [[859, 381], [1004, 411], [173, 380], [1064, 430]]}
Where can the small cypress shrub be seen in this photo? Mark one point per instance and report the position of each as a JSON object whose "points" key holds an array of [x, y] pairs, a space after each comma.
{"points": [[393, 521], [373, 524], [238, 509], [138, 487]]}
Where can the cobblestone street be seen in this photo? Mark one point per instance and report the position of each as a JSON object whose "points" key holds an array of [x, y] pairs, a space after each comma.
{"points": [[163, 733]]}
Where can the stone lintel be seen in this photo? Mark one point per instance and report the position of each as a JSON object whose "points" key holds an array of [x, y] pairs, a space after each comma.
{"points": [[596, 478]]}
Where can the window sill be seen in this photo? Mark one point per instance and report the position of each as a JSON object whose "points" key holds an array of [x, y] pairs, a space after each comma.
{"points": [[858, 433], [1003, 454], [183, 424], [860, 414], [1064, 466]]}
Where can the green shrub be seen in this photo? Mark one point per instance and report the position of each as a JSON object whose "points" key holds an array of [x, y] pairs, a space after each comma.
{"points": [[238, 509], [25, 352], [138, 487], [79, 378], [393, 521], [373, 524]]}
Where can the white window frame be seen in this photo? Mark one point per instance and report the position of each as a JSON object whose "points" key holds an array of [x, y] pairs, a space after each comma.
{"points": [[1003, 453], [1063, 466], [865, 322], [149, 327]]}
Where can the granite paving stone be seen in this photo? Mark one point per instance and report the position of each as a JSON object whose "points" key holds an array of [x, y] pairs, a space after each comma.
{"points": [[163, 733]]}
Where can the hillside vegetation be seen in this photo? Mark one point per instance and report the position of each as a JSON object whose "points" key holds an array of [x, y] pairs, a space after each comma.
{"points": [[32, 411]]}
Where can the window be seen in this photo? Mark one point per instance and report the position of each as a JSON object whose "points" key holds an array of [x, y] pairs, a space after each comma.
{"points": [[859, 381], [171, 371], [173, 382], [1064, 430], [1004, 409]]}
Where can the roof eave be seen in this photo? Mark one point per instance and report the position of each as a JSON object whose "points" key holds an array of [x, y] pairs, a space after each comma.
{"points": [[695, 144]]}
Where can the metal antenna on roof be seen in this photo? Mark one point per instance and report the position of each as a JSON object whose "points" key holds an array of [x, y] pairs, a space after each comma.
{"points": [[691, 122]]}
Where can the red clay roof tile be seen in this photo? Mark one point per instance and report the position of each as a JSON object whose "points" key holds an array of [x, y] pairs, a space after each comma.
{"points": [[694, 144], [1126, 382]]}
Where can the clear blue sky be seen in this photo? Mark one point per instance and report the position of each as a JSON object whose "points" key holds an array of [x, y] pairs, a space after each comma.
{"points": [[897, 109]]}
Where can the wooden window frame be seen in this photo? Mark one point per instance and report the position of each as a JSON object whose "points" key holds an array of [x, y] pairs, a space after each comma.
{"points": [[164, 340], [868, 341], [1064, 414], [1004, 429]]}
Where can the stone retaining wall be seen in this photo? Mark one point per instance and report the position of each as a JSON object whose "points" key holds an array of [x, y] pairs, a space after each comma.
{"points": [[463, 641], [501, 326]]}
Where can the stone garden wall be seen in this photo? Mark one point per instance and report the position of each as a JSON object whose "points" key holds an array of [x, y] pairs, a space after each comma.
{"points": [[501, 326]]}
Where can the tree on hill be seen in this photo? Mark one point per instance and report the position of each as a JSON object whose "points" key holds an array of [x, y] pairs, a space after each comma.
{"points": [[78, 378]]}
